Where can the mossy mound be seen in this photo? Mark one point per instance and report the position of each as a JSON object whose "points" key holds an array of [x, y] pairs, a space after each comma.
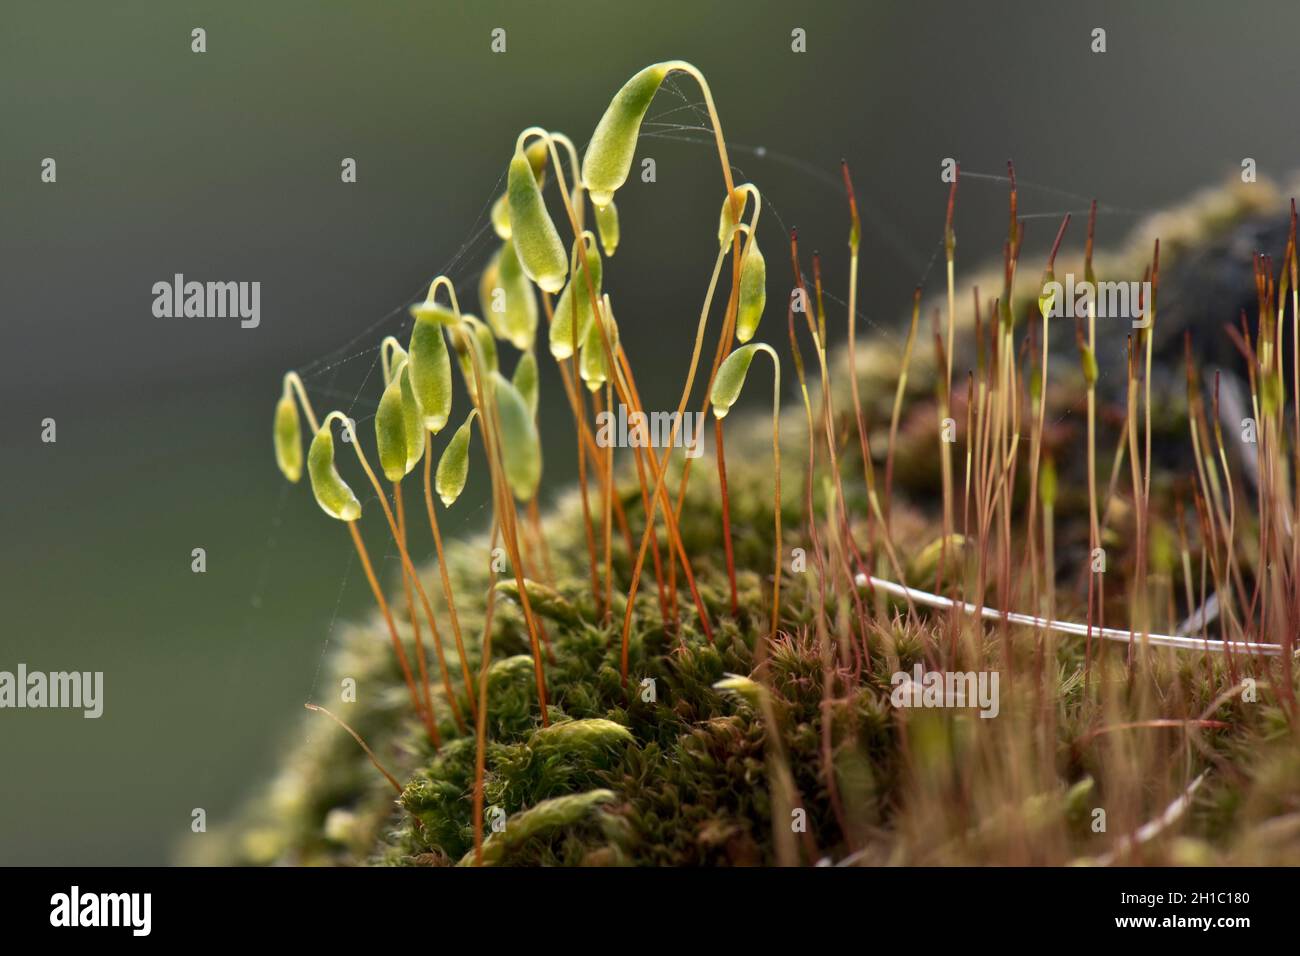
{"points": [[811, 761]]}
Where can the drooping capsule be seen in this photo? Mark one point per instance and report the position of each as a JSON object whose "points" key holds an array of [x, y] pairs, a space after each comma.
{"points": [[753, 291], [288, 437], [487, 344], [525, 379], [429, 367], [538, 155], [412, 418], [731, 379], [593, 364], [332, 492], [491, 297], [487, 349], [501, 217], [573, 310], [607, 227], [508, 300], [390, 432], [613, 144], [453, 466], [521, 446], [537, 243]]}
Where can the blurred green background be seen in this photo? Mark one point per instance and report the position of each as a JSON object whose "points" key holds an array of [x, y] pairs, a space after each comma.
{"points": [[225, 166]]}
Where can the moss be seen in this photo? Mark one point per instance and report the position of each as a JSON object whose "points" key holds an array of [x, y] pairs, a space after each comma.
{"points": [[667, 769]]}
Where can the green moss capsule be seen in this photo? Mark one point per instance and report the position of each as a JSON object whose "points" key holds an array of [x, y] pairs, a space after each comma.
{"points": [[412, 418], [753, 291], [487, 349], [593, 365], [521, 447], [508, 300], [429, 367], [538, 155], [288, 437], [487, 344], [573, 309], [1047, 482], [613, 144], [731, 379], [501, 217], [390, 433], [453, 466], [607, 227], [525, 379], [537, 243], [332, 492]]}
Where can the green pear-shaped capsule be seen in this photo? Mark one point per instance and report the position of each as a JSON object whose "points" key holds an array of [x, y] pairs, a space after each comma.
{"points": [[538, 155], [332, 492], [412, 418], [607, 227], [521, 447], [592, 365], [731, 379], [501, 217], [288, 437], [541, 253], [390, 433], [487, 349], [508, 300], [573, 308], [525, 379], [487, 344], [453, 466], [613, 144], [429, 367], [491, 298], [1047, 481], [753, 291]]}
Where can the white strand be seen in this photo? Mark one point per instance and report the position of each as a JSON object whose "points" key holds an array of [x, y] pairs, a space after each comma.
{"points": [[1069, 627]]}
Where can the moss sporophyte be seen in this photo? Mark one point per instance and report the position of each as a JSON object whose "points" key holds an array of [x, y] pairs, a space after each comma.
{"points": [[741, 713]]}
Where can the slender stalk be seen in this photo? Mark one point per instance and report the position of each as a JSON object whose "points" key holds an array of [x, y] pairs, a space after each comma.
{"points": [[407, 565], [447, 592], [718, 448], [476, 382], [430, 727], [900, 389], [294, 382], [607, 524], [480, 723], [420, 660], [364, 746], [776, 477]]}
